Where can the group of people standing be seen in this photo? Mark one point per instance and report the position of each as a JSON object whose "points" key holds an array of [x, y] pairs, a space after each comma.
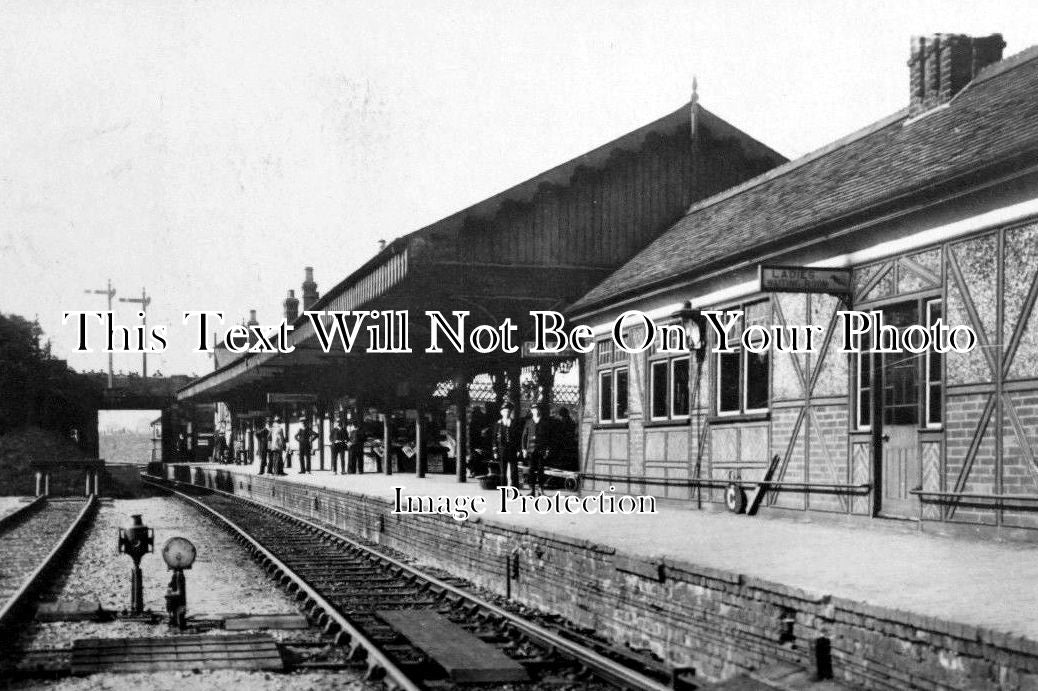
{"points": [[348, 436], [273, 450], [540, 440]]}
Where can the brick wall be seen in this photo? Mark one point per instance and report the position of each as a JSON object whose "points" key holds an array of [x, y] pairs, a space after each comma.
{"points": [[720, 622]]}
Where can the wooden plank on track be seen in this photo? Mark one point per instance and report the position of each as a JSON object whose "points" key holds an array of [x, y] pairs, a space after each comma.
{"points": [[464, 656], [266, 621], [251, 651]]}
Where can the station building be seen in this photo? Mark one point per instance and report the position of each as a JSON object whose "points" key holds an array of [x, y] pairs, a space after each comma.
{"points": [[934, 210], [538, 245]]}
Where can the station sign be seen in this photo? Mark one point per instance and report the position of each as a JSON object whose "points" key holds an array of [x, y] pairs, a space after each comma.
{"points": [[804, 279], [291, 398]]}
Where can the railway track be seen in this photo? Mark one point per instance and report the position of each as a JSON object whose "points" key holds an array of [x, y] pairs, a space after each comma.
{"points": [[32, 542], [355, 592]]}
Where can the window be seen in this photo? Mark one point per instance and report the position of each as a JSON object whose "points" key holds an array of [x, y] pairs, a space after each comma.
{"points": [[668, 382], [911, 385], [679, 373], [864, 407], [660, 390], [605, 395], [612, 382], [728, 383], [901, 371], [620, 387], [934, 372], [743, 378]]}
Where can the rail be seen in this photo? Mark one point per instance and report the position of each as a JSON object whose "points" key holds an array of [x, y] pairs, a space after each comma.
{"points": [[22, 596], [377, 660], [21, 512], [608, 669]]}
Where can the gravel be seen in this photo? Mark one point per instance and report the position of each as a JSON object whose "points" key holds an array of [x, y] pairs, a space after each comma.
{"points": [[223, 580], [202, 680]]}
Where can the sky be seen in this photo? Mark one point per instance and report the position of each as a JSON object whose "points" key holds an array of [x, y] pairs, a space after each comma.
{"points": [[207, 152]]}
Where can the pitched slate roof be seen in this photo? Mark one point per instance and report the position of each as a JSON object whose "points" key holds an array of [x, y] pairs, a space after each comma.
{"points": [[993, 119]]}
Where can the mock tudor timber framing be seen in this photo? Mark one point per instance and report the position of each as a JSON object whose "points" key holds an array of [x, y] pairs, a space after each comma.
{"points": [[914, 245]]}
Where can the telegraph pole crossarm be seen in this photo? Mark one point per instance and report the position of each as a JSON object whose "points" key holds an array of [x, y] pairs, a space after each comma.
{"points": [[110, 293], [143, 301]]}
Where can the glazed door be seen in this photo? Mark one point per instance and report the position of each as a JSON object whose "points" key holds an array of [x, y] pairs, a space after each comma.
{"points": [[901, 470]]}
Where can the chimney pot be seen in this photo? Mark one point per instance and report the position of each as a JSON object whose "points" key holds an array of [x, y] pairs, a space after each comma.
{"points": [[310, 293], [291, 305]]}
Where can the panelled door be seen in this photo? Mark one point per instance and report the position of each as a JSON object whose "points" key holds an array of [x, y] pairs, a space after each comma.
{"points": [[901, 470]]}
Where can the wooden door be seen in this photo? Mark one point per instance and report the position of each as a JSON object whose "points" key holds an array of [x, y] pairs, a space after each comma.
{"points": [[901, 471]]}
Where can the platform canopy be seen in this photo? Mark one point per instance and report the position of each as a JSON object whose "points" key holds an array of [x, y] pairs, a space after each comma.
{"points": [[537, 246]]}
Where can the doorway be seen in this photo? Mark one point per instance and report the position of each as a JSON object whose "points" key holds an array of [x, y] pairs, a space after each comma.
{"points": [[900, 376]]}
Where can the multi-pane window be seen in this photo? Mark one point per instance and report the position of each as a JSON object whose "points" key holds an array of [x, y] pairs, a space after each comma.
{"points": [[934, 372], [864, 407], [612, 382], [912, 385], [668, 383], [743, 377]]}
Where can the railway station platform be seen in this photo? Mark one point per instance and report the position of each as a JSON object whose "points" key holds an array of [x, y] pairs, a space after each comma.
{"points": [[720, 592]]}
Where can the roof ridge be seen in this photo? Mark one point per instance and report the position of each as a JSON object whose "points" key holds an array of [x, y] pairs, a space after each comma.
{"points": [[779, 171], [1002, 66], [989, 72]]}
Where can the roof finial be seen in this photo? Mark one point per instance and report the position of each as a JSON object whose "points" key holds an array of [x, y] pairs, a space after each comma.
{"points": [[694, 105]]}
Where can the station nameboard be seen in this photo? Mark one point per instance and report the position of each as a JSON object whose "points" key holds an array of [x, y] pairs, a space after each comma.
{"points": [[291, 398], [804, 279]]}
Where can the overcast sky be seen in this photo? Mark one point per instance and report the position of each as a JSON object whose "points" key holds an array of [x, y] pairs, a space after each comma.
{"points": [[209, 151]]}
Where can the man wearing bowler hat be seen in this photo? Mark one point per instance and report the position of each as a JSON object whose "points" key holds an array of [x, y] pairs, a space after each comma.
{"points": [[304, 436], [507, 437]]}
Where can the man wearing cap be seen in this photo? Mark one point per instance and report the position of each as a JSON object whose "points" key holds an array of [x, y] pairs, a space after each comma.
{"points": [[537, 445], [339, 445], [304, 436], [507, 437], [357, 435], [262, 444]]}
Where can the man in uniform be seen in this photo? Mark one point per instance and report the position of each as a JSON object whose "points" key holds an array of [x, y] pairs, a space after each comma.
{"points": [[356, 435], [339, 445], [507, 437], [262, 444], [304, 436], [566, 441], [537, 445]]}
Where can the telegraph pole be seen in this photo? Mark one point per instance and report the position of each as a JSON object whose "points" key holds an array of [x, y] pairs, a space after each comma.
{"points": [[143, 301], [110, 292]]}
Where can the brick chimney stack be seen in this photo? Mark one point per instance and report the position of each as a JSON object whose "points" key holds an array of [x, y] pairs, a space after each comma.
{"points": [[291, 305], [252, 322], [310, 293], [941, 65]]}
